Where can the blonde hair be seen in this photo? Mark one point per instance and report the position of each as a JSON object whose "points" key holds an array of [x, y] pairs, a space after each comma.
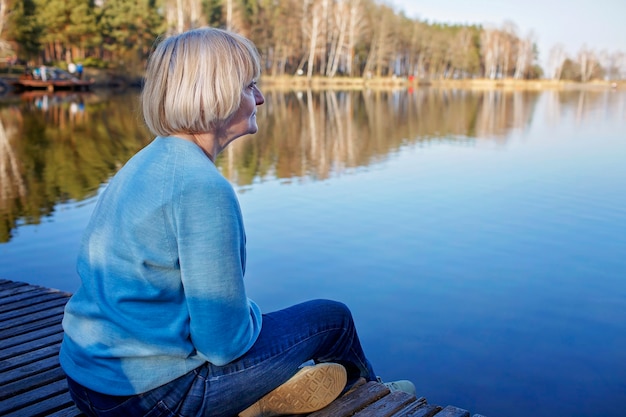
{"points": [[194, 80]]}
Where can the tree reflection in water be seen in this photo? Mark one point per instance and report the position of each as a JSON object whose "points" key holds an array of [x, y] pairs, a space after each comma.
{"points": [[56, 148]]}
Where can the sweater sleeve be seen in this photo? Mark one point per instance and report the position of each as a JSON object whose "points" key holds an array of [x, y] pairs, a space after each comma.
{"points": [[224, 323]]}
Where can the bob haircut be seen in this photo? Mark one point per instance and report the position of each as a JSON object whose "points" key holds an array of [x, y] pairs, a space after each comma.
{"points": [[194, 80]]}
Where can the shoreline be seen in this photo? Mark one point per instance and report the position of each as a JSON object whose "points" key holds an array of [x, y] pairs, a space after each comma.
{"points": [[108, 79], [323, 83]]}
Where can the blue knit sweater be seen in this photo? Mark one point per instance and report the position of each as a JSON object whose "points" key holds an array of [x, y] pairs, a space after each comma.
{"points": [[161, 263]]}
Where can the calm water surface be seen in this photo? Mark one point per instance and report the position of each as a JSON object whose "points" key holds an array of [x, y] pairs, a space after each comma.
{"points": [[479, 237]]}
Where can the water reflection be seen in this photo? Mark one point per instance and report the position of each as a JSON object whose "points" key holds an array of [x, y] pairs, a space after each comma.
{"points": [[57, 148], [60, 147], [584, 106], [317, 135], [60, 108]]}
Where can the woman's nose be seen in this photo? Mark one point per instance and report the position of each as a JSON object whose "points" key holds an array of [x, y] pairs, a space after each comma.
{"points": [[258, 97]]}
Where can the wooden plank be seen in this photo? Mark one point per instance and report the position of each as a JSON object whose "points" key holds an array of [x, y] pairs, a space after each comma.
{"points": [[34, 399], [14, 340], [28, 364], [387, 406], [354, 401], [23, 348], [26, 310], [419, 410], [29, 298], [40, 315], [34, 381], [71, 411], [25, 372], [23, 292], [10, 291], [11, 285], [47, 407], [31, 326], [452, 411]]}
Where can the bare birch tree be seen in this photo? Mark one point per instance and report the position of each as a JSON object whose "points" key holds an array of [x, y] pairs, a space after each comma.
{"points": [[489, 45], [356, 28], [180, 17], [344, 27], [311, 29], [507, 45], [194, 14], [338, 31], [524, 57], [587, 62], [382, 40], [556, 61], [4, 15]]}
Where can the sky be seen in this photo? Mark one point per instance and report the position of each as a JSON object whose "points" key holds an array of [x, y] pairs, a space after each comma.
{"points": [[597, 24]]}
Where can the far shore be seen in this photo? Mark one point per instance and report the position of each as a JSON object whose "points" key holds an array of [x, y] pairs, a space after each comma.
{"points": [[115, 79], [323, 83]]}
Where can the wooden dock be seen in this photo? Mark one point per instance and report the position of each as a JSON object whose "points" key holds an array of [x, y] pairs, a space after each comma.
{"points": [[33, 384], [32, 381]]}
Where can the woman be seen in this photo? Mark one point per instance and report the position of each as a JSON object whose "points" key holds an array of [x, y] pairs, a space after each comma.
{"points": [[161, 324]]}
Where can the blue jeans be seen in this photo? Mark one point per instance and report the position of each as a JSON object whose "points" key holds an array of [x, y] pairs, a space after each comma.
{"points": [[318, 330]]}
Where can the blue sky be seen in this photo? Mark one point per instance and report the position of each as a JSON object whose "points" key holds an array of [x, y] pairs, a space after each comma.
{"points": [[598, 24]]}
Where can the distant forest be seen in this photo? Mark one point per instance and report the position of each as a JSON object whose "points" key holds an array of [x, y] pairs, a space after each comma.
{"points": [[331, 38]]}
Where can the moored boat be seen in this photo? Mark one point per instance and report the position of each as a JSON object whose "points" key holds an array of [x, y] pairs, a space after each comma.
{"points": [[55, 79], [52, 85]]}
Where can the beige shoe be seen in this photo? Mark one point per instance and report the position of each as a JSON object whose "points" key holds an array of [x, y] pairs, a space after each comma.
{"points": [[309, 390], [401, 385]]}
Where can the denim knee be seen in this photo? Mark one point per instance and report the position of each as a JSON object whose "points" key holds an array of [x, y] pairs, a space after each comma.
{"points": [[333, 308]]}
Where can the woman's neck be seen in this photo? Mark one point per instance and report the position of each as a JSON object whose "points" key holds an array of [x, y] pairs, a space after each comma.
{"points": [[206, 142]]}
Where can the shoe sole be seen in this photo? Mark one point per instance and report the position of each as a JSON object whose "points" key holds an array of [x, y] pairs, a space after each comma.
{"points": [[309, 390]]}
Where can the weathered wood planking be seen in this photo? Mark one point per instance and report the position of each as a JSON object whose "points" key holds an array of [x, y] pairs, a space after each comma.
{"points": [[33, 384], [32, 381]]}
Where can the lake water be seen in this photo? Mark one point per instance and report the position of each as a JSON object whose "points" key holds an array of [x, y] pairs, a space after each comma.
{"points": [[478, 237]]}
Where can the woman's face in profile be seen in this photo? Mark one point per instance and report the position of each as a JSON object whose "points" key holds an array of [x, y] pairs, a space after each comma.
{"points": [[243, 121]]}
